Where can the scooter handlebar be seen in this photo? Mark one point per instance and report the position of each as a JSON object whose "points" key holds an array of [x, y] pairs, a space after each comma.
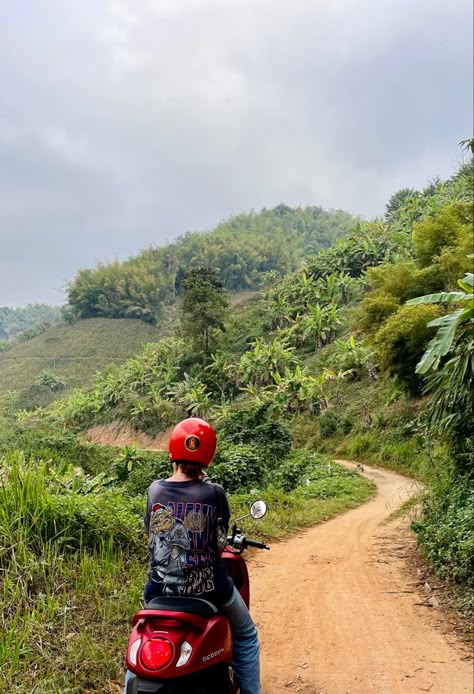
{"points": [[258, 545], [239, 542]]}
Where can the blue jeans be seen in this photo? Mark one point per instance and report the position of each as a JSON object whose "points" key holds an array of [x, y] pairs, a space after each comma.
{"points": [[246, 653]]}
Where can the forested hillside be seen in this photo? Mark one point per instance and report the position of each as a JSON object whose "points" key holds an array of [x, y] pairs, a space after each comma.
{"points": [[243, 248], [364, 348], [367, 349]]}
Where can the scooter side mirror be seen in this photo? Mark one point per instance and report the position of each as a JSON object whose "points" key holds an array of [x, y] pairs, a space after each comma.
{"points": [[258, 509]]}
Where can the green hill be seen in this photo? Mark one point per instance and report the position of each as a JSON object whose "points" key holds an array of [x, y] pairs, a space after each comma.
{"points": [[244, 249], [73, 353]]}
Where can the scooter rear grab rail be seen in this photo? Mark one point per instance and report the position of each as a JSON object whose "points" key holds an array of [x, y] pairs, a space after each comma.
{"points": [[193, 619]]}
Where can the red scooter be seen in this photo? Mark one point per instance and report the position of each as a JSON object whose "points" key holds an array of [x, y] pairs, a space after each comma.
{"points": [[183, 645]]}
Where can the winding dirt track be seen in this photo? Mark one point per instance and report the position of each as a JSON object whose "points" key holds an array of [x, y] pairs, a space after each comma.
{"points": [[337, 613]]}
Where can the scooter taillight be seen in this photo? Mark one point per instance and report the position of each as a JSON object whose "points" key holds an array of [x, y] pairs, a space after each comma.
{"points": [[156, 653]]}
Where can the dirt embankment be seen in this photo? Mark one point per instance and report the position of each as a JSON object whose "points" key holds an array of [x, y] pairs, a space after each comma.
{"points": [[122, 434], [339, 614]]}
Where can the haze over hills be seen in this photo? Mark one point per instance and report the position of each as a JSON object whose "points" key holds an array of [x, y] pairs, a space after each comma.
{"points": [[14, 321]]}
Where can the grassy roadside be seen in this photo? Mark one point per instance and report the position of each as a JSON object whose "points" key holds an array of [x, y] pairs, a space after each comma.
{"points": [[289, 513], [72, 568]]}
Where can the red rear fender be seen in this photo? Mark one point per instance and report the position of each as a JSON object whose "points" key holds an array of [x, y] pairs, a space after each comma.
{"points": [[210, 640]]}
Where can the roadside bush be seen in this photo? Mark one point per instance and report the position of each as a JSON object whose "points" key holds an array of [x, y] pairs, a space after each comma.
{"points": [[149, 466], [444, 530], [362, 446], [291, 472], [62, 448], [237, 467], [401, 342], [330, 487], [302, 467], [253, 425], [34, 518], [329, 424]]}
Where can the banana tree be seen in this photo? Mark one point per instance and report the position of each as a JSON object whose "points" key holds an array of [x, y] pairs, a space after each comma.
{"points": [[221, 375], [450, 382], [320, 324], [450, 325], [316, 387], [192, 395], [257, 366], [277, 308]]}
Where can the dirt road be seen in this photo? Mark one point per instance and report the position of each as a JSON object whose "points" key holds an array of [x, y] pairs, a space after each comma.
{"points": [[337, 613]]}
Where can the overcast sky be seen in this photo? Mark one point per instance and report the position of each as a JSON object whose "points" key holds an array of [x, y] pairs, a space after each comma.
{"points": [[125, 123]]}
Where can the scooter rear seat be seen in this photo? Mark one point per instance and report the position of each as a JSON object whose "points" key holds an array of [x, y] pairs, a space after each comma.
{"points": [[196, 606]]}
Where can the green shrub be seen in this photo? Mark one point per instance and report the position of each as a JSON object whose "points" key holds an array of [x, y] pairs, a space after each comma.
{"points": [[396, 280], [447, 229], [150, 466], [401, 342], [444, 530], [253, 425], [292, 471], [455, 261], [347, 425], [62, 448], [302, 467], [329, 424], [376, 307], [362, 445], [330, 487], [237, 467], [35, 514], [404, 281]]}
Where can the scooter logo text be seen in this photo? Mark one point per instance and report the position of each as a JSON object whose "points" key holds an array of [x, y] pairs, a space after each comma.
{"points": [[212, 655]]}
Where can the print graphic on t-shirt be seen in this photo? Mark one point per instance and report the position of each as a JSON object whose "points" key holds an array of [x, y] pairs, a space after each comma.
{"points": [[181, 547], [170, 542]]}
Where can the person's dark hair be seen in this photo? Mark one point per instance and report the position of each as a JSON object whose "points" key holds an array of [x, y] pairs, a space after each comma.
{"points": [[193, 470]]}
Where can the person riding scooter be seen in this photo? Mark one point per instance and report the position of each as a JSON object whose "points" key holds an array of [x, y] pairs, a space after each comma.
{"points": [[187, 521]]}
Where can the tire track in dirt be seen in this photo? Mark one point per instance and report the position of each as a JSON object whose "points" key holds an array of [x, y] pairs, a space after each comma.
{"points": [[337, 613]]}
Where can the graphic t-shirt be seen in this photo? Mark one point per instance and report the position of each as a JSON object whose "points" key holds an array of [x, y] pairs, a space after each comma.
{"points": [[182, 520]]}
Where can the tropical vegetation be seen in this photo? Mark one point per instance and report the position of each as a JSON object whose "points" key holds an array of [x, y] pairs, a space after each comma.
{"points": [[362, 348]]}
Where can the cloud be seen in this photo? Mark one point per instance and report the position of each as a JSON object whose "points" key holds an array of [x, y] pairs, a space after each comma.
{"points": [[124, 123]]}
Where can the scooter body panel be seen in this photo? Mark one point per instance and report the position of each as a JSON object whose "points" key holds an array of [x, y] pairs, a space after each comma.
{"points": [[211, 643]]}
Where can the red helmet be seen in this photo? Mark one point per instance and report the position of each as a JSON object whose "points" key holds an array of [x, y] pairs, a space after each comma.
{"points": [[193, 440]]}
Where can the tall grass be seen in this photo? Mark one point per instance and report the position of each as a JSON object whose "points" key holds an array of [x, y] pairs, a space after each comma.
{"points": [[69, 581]]}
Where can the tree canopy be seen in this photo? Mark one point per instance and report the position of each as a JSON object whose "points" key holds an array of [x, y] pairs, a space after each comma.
{"points": [[243, 249]]}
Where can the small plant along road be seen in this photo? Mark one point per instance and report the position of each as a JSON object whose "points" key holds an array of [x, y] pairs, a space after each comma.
{"points": [[337, 613]]}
